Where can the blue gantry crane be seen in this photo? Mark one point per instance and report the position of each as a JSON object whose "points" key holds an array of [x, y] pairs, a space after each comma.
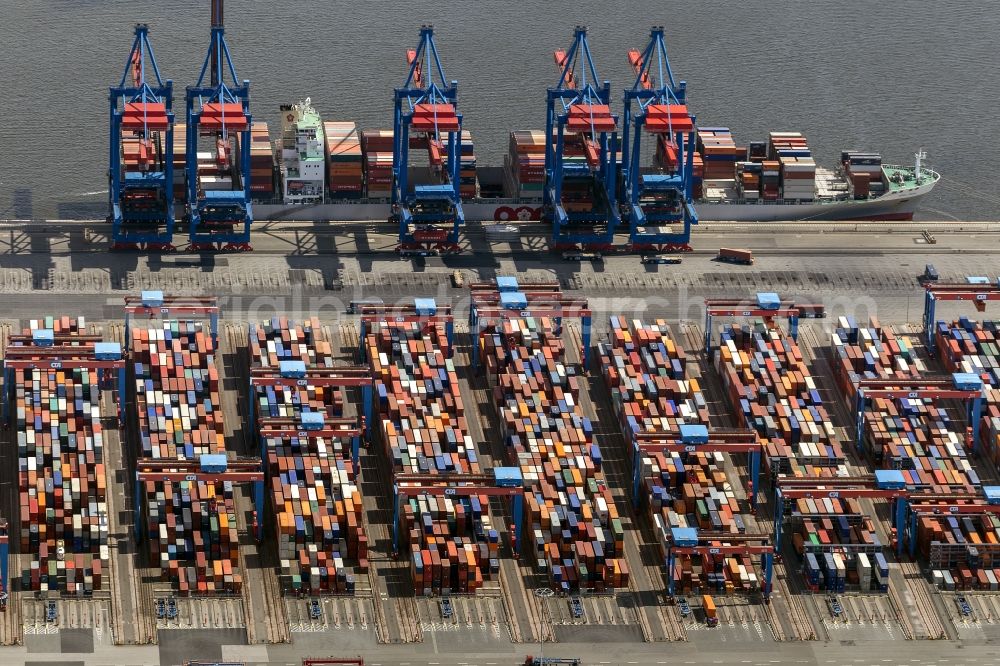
{"points": [[219, 208], [580, 153], [426, 114], [140, 173], [658, 200]]}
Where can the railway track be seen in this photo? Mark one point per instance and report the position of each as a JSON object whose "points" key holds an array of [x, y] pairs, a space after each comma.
{"points": [[11, 628], [518, 601], [721, 415], [132, 603], [647, 582], [347, 334], [229, 359], [393, 587]]}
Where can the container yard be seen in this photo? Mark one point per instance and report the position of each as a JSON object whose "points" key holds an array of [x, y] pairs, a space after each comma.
{"points": [[574, 534], [680, 472], [308, 448], [453, 541], [59, 373], [190, 524], [461, 519]]}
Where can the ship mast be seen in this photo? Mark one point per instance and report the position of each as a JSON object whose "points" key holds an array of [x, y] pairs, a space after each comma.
{"points": [[920, 156]]}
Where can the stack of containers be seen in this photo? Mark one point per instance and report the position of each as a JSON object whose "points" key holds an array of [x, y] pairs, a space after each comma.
{"points": [[963, 552], [61, 475], [798, 168], [376, 146], [770, 180], [576, 535], [646, 372], [748, 179], [838, 546], [261, 161], [770, 386], [468, 183], [914, 435], [525, 164], [314, 493], [344, 160], [969, 346], [453, 545], [191, 525], [832, 571], [719, 152], [864, 173], [180, 162], [579, 152], [871, 352]]}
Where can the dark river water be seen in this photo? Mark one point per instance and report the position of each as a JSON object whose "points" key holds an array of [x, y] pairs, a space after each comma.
{"points": [[890, 77]]}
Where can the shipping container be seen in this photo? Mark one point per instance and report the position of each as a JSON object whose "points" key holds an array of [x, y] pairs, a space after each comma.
{"points": [[915, 435], [62, 479], [735, 256], [316, 501], [191, 525], [646, 372], [574, 533], [453, 544]]}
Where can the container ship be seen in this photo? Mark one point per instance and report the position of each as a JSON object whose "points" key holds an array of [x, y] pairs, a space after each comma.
{"points": [[777, 179]]}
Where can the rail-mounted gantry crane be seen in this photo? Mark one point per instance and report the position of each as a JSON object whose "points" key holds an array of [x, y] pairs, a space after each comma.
{"points": [[426, 115], [658, 201], [141, 159], [581, 146], [218, 123]]}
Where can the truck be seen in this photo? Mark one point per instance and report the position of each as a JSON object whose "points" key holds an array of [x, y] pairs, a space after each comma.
{"points": [[708, 605], [732, 255], [550, 661]]}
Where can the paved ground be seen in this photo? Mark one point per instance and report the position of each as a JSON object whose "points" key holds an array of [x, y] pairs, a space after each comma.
{"points": [[314, 270]]}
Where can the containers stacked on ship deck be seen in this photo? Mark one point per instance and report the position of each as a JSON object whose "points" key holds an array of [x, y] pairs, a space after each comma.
{"points": [[60, 450], [453, 543], [770, 386], [916, 434], [377, 150], [261, 161], [719, 152], [574, 530], [966, 345], [180, 162], [797, 166], [468, 183], [345, 175], [313, 479], [864, 173], [524, 164], [646, 373], [191, 525]]}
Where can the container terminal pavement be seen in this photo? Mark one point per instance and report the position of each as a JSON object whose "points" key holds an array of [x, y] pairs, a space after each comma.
{"points": [[395, 457]]}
